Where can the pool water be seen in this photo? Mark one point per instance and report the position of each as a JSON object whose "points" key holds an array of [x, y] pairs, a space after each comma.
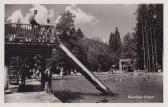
{"points": [[127, 88]]}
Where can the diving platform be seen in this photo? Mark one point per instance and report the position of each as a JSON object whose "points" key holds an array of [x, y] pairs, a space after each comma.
{"points": [[27, 40]]}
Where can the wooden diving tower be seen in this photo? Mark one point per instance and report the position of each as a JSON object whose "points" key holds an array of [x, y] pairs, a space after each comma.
{"points": [[23, 40]]}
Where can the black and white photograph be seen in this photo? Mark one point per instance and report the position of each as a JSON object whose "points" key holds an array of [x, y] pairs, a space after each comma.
{"points": [[83, 53]]}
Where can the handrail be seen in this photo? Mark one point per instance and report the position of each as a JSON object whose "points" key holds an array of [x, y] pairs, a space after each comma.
{"points": [[30, 24], [15, 32]]}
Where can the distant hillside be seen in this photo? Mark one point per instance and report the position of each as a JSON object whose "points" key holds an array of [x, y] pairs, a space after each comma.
{"points": [[91, 53]]}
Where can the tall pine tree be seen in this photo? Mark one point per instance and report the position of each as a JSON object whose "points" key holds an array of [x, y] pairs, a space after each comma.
{"points": [[79, 33], [149, 31], [117, 34], [115, 40]]}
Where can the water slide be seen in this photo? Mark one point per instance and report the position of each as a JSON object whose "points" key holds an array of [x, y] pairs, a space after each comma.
{"points": [[88, 75]]}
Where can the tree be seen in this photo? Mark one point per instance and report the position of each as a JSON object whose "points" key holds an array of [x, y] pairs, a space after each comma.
{"points": [[117, 34], [90, 52], [65, 24], [79, 33], [73, 34], [129, 46], [141, 12], [115, 40], [104, 62], [149, 31], [158, 27]]}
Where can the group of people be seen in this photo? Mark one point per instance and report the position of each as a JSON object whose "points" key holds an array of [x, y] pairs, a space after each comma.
{"points": [[34, 73], [47, 34], [25, 72], [37, 33]]}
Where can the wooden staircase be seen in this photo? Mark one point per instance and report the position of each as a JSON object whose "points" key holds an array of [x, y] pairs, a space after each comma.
{"points": [[13, 71]]}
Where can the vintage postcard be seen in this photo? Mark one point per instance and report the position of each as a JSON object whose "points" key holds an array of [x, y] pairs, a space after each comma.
{"points": [[101, 52]]}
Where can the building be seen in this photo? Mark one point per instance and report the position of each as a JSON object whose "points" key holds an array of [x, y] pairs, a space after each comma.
{"points": [[126, 65]]}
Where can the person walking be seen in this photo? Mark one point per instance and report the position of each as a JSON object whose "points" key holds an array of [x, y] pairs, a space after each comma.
{"points": [[48, 79], [62, 72], [23, 74]]}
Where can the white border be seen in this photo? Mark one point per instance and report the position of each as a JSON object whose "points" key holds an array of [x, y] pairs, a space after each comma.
{"points": [[82, 1], [165, 60]]}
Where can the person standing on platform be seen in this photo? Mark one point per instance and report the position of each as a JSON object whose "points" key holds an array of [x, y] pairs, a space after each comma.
{"points": [[34, 23], [32, 19]]}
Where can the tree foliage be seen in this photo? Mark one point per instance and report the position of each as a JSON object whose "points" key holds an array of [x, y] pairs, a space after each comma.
{"points": [[115, 40], [91, 53], [65, 24], [79, 33], [129, 46], [149, 31]]}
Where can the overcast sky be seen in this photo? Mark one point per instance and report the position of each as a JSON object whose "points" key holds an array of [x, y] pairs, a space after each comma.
{"points": [[95, 20]]}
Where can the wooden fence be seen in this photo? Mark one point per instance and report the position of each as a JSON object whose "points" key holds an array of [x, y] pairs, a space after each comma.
{"points": [[27, 33]]}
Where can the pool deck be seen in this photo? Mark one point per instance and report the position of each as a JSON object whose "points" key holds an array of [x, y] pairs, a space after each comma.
{"points": [[31, 95]]}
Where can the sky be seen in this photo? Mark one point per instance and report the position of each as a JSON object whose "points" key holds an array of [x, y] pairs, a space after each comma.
{"points": [[95, 20]]}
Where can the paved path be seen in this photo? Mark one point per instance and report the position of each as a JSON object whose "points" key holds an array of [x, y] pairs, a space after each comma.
{"points": [[30, 93]]}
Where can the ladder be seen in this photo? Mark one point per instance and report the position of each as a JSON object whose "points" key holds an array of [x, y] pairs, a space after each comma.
{"points": [[13, 71]]}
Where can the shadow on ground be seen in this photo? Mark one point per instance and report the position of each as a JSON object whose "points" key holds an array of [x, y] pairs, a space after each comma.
{"points": [[68, 96], [12, 90], [29, 88]]}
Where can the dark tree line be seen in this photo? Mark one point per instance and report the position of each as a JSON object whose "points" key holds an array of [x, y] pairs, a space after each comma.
{"points": [[115, 40], [149, 31]]}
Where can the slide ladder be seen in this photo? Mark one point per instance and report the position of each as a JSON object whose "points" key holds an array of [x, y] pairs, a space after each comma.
{"points": [[88, 75]]}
